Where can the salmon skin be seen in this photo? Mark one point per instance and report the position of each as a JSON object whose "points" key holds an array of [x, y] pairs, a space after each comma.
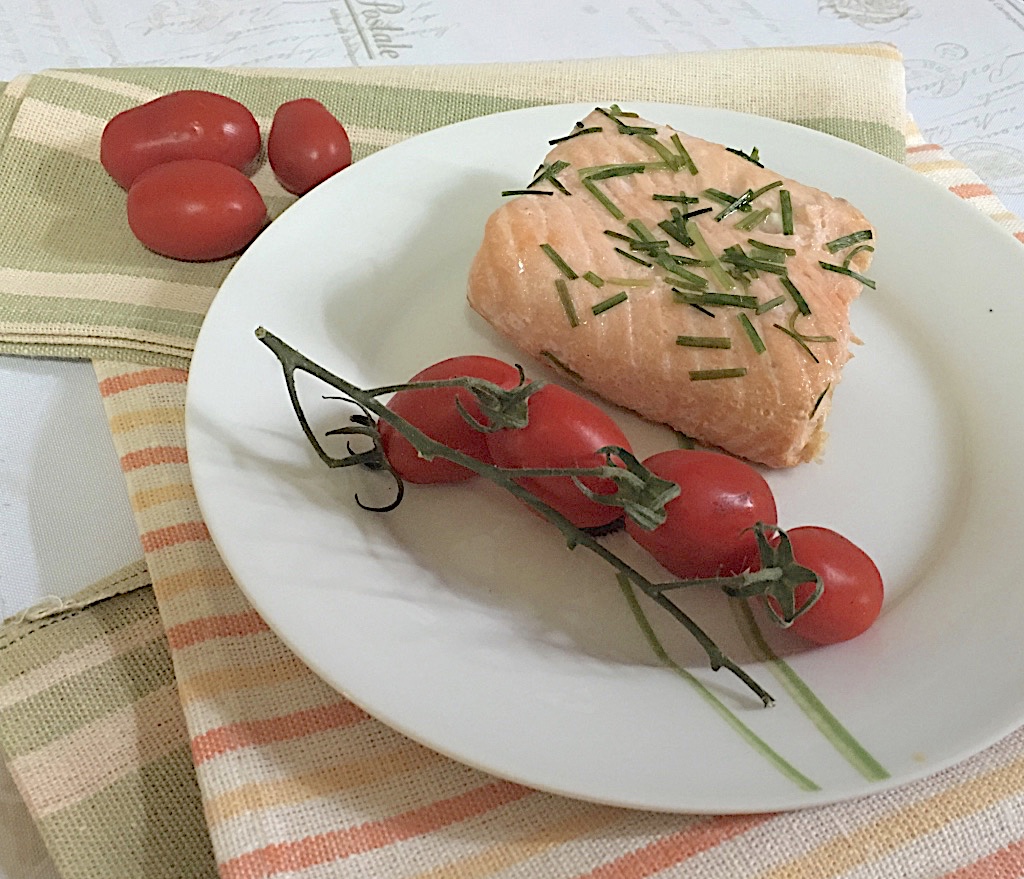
{"points": [[681, 280]]}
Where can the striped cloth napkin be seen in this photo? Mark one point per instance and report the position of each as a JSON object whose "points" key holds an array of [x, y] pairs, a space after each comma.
{"points": [[295, 780]]}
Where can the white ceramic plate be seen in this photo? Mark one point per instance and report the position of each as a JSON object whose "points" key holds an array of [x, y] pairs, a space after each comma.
{"points": [[461, 620]]}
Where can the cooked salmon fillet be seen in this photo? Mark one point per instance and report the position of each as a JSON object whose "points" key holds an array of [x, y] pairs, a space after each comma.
{"points": [[585, 277]]}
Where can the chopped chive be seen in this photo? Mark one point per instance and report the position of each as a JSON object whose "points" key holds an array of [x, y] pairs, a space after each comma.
{"points": [[738, 258], [786, 207], [674, 268], [610, 302], [798, 298], [722, 198], [641, 231], [618, 111], [682, 198], [624, 253], [550, 173], [623, 127], [701, 309], [576, 133], [752, 156], [771, 248], [675, 226], [699, 298], [683, 154], [567, 303], [505, 192], [817, 402], [844, 270], [566, 369], [762, 307], [609, 205], [699, 375], [596, 280], [664, 153], [854, 252], [796, 337], [849, 240], [738, 204], [563, 266], [622, 236], [697, 213], [627, 282], [751, 332], [721, 276], [617, 171], [749, 222], [704, 341], [766, 188]]}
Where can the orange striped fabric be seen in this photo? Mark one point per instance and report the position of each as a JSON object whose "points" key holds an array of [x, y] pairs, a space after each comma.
{"points": [[299, 782]]}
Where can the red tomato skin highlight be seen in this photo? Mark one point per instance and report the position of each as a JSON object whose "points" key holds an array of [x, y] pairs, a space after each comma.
{"points": [[564, 430], [190, 124], [195, 210], [707, 531], [854, 590], [434, 412], [307, 144]]}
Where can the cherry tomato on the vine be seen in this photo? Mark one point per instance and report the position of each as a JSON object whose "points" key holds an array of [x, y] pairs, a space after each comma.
{"points": [[853, 593], [707, 532], [181, 125], [195, 209], [307, 144], [564, 430], [434, 412]]}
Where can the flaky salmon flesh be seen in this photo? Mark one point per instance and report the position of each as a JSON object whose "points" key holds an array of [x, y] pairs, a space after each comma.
{"points": [[681, 280]]}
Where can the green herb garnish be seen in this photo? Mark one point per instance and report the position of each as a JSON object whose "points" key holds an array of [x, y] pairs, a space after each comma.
{"points": [[610, 302], [786, 207], [684, 156], [752, 220], [622, 126], [568, 370], [596, 280], [752, 156], [682, 198], [567, 303], [854, 252], [505, 192], [550, 173], [622, 170], [579, 129], [608, 204], [724, 198], [762, 307], [849, 240], [846, 270], [752, 334], [817, 402], [697, 298], [628, 255], [721, 276], [563, 266], [664, 153], [741, 203], [798, 298], [676, 227], [700, 375], [704, 341]]}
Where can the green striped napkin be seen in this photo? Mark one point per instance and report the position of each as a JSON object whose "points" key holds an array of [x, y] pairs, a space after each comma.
{"points": [[75, 283], [92, 732]]}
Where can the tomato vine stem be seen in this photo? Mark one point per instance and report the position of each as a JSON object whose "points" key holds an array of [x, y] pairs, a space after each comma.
{"points": [[293, 361]]}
